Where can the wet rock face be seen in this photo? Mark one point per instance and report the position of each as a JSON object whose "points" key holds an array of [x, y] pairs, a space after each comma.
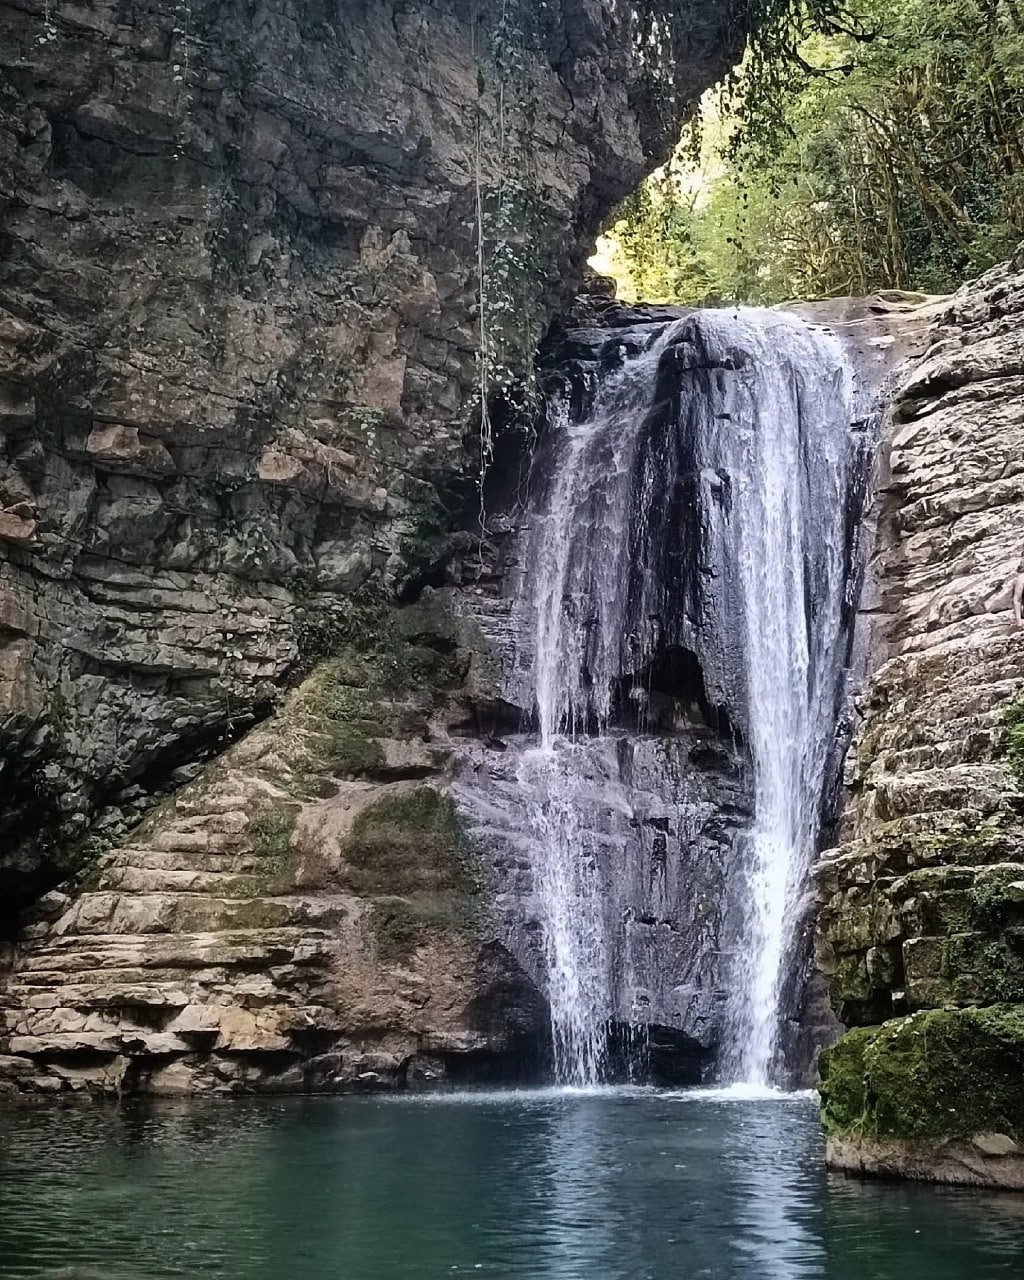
{"points": [[920, 906], [643, 530], [659, 815], [237, 343]]}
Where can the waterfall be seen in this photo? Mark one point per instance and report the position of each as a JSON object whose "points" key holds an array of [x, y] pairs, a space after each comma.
{"points": [[578, 553], [793, 462], [694, 536]]}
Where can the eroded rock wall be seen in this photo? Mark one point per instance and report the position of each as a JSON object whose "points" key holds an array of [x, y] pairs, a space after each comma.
{"points": [[238, 364], [238, 340], [922, 905]]}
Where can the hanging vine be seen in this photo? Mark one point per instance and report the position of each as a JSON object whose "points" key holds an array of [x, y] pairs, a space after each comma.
{"points": [[508, 218]]}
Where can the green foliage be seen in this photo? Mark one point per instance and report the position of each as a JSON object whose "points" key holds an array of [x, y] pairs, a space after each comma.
{"points": [[992, 901], [81, 862], [327, 624], [947, 1073], [58, 712], [1011, 743], [848, 164], [509, 219]]}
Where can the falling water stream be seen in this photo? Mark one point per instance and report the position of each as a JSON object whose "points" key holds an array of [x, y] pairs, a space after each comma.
{"points": [[748, 415]]}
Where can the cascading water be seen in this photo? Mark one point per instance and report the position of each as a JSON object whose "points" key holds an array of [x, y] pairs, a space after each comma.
{"points": [[697, 519], [578, 554], [793, 460]]}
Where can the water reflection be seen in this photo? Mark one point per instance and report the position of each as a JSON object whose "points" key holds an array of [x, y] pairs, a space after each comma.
{"points": [[775, 1192], [630, 1185]]}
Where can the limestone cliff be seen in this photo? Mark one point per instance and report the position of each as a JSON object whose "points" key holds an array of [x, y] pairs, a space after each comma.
{"points": [[238, 361], [922, 906]]}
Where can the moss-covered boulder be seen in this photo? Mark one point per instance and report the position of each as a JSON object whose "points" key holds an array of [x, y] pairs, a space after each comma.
{"points": [[937, 1095]]}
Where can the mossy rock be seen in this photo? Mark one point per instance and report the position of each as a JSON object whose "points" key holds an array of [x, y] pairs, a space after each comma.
{"points": [[937, 1075], [400, 925], [411, 842], [387, 670], [997, 839], [410, 854], [965, 968], [270, 829]]}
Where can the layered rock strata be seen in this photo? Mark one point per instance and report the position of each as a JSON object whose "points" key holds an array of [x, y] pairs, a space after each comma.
{"points": [[312, 913], [309, 914], [921, 925], [238, 337]]}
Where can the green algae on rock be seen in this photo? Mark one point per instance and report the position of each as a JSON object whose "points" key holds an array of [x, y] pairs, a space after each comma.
{"points": [[936, 1095], [409, 854]]}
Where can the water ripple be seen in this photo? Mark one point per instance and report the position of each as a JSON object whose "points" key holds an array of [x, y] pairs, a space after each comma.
{"points": [[623, 1184]]}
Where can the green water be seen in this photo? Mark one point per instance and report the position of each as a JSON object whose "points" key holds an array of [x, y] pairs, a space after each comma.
{"points": [[613, 1186]]}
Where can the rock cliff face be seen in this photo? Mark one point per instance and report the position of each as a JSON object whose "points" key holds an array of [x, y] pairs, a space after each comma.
{"points": [[922, 905], [238, 338], [238, 358], [308, 914]]}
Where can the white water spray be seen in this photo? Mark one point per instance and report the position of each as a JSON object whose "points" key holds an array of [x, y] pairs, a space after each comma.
{"points": [[792, 456], [578, 552]]}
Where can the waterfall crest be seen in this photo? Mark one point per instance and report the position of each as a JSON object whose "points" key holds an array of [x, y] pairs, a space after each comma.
{"points": [[693, 545]]}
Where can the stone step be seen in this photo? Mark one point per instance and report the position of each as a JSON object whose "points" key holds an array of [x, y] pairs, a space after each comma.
{"points": [[225, 884], [127, 989], [139, 988], [68, 1043], [970, 749], [184, 953], [231, 1019], [147, 859], [113, 913]]}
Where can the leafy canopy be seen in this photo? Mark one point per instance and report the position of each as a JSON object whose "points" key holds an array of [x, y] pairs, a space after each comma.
{"points": [[885, 150]]}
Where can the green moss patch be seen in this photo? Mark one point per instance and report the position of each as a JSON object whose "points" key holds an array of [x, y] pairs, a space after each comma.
{"points": [[388, 669], [270, 830], [1010, 746], [409, 853], [977, 844], [411, 842], [945, 1073]]}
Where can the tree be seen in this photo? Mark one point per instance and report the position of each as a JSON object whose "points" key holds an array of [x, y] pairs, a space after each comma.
{"points": [[895, 159]]}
